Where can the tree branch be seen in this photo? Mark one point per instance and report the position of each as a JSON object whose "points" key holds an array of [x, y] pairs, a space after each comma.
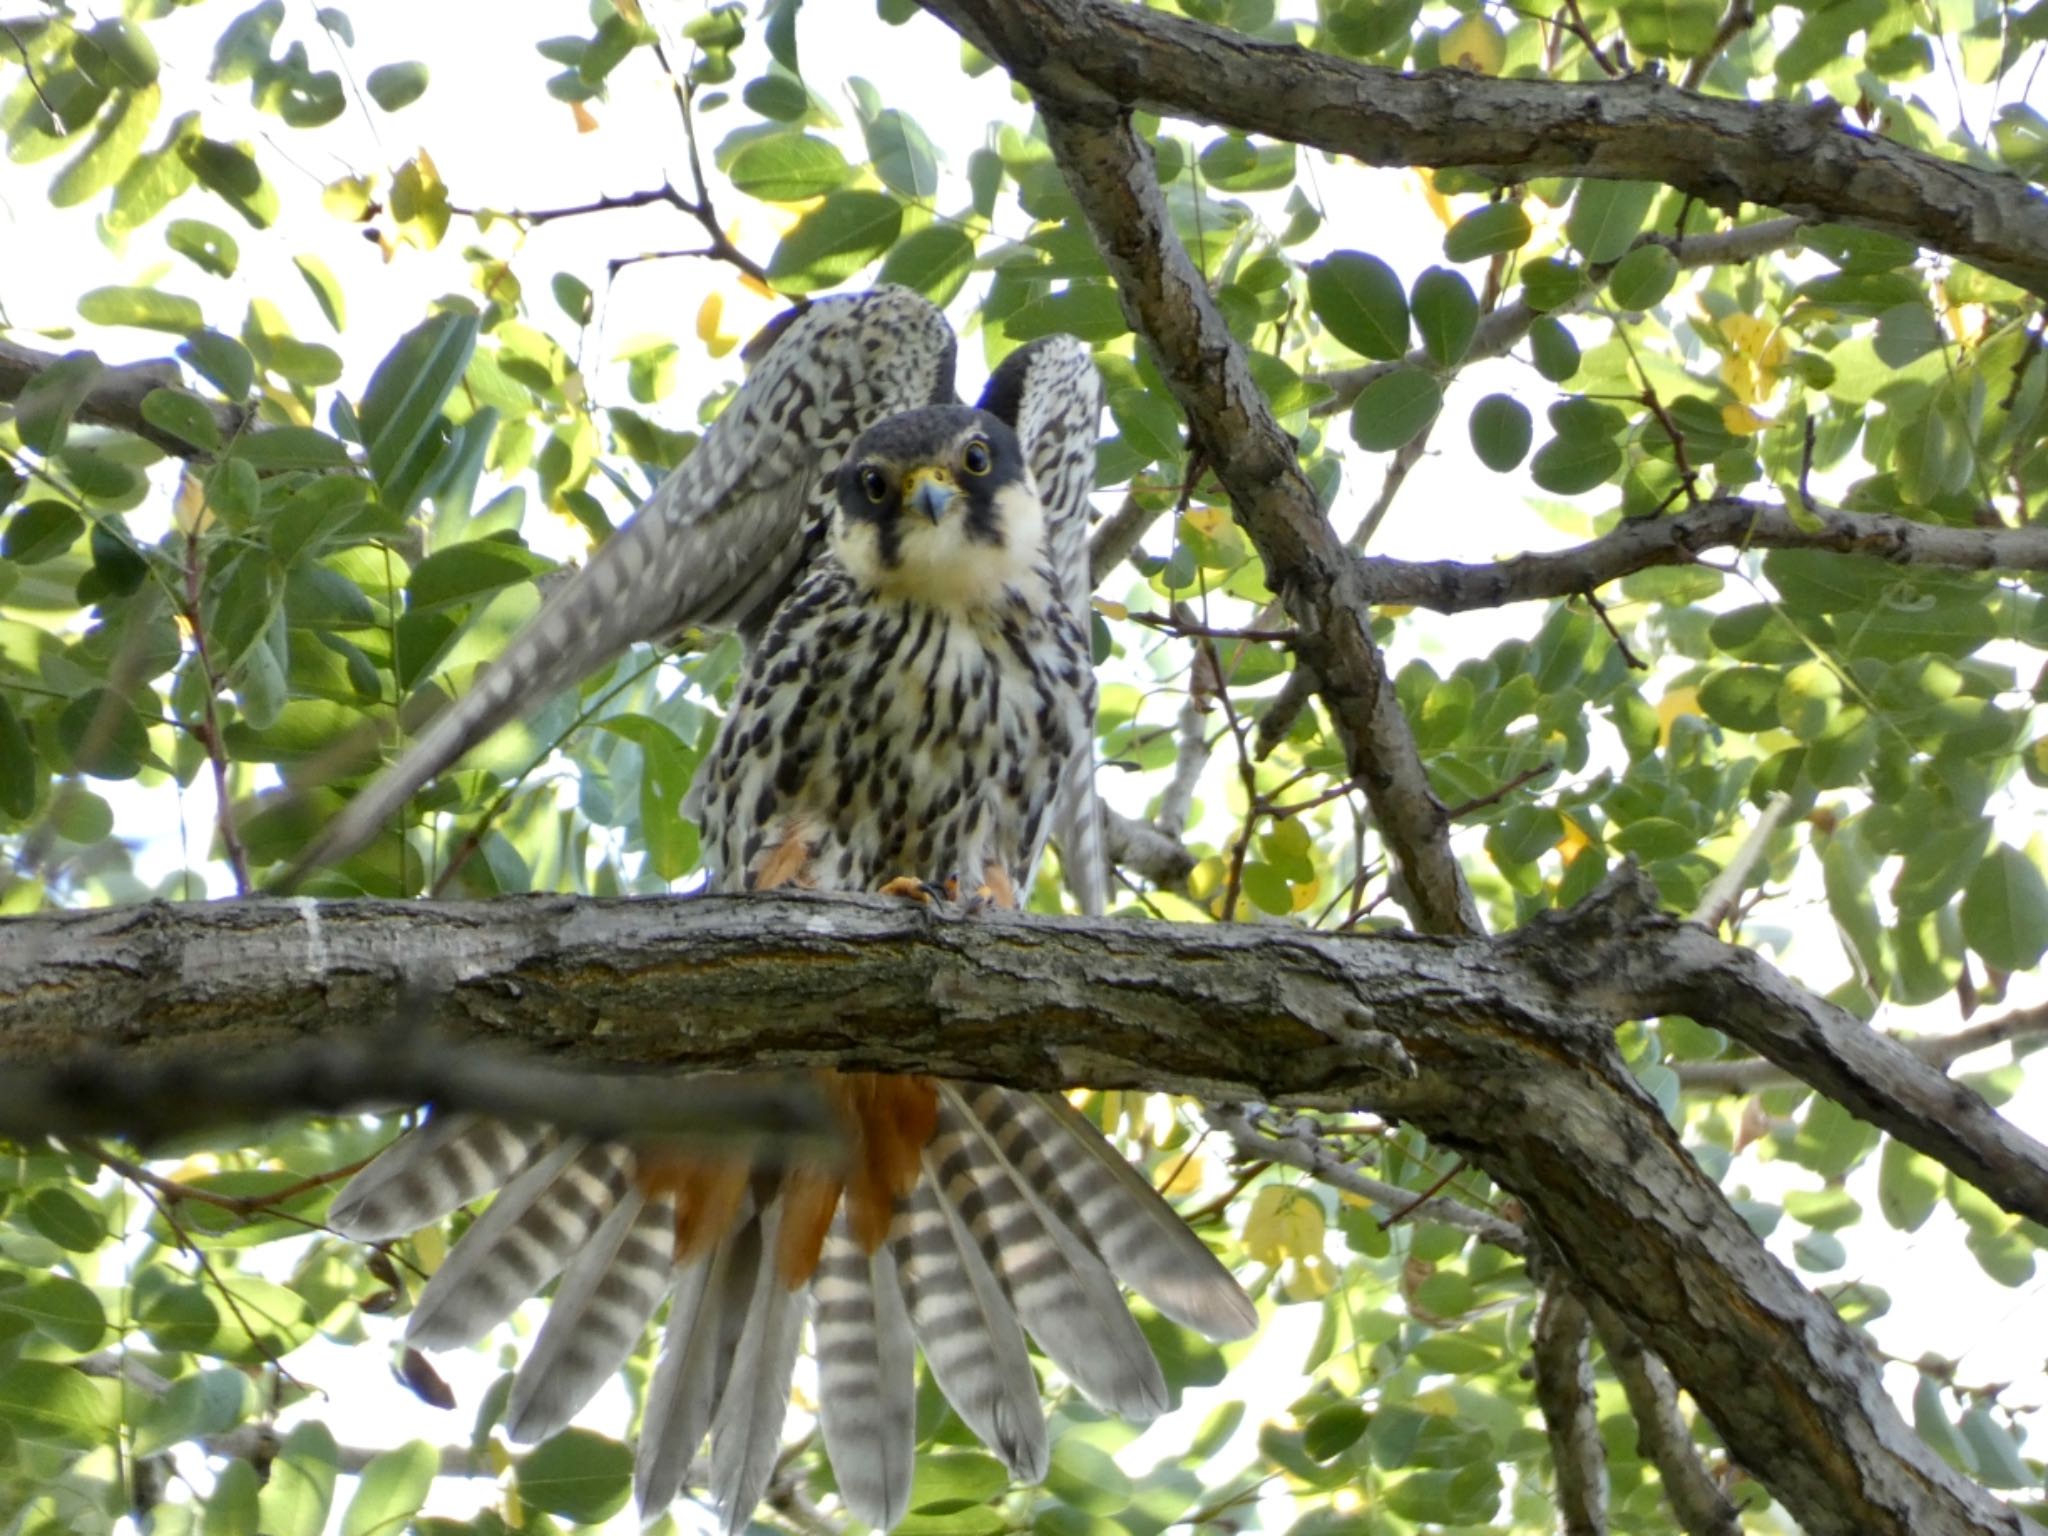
{"points": [[1796, 156], [1661, 1432], [1499, 1050], [1455, 586], [1563, 1357], [115, 399], [1939, 1052]]}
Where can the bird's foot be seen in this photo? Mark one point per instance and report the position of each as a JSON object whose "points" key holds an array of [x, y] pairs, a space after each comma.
{"points": [[910, 888]]}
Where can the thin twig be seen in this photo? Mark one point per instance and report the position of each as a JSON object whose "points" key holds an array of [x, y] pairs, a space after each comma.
{"points": [[1740, 19], [1495, 796], [208, 730], [1634, 662]]}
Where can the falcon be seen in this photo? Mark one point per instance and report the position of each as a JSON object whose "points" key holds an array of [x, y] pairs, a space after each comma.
{"points": [[915, 714]]}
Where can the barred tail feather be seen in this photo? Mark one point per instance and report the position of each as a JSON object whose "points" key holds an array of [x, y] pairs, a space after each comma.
{"points": [[1107, 1203], [709, 1305], [746, 1431], [867, 1378], [968, 1333], [597, 1317], [530, 1231], [425, 1174], [1063, 1294]]}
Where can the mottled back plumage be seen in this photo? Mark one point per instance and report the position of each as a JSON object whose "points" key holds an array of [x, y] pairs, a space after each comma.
{"points": [[917, 702]]}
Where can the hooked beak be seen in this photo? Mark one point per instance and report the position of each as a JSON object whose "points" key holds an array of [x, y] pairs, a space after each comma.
{"points": [[930, 489]]}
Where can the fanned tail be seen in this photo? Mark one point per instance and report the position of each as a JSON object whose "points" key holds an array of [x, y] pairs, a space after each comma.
{"points": [[529, 1233], [867, 1378], [709, 1304], [1063, 1294], [597, 1317], [969, 1335], [421, 1177], [1108, 1204], [753, 1400]]}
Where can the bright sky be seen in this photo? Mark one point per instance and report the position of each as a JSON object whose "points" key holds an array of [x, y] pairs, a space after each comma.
{"points": [[500, 142]]}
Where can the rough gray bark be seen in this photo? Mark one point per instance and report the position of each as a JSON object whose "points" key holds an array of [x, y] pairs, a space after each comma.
{"points": [[1563, 1357], [1498, 1049], [116, 397], [1805, 159]]}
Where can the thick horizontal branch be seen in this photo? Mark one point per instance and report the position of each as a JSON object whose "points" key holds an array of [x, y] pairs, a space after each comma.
{"points": [[1500, 1050], [1799, 157], [116, 396], [1726, 522]]}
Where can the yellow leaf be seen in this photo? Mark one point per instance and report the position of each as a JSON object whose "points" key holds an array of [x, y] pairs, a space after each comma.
{"points": [[1184, 1175], [1438, 203], [1311, 1279], [419, 202], [1476, 43], [1574, 840], [1285, 1222], [1206, 520], [1679, 701], [1305, 895], [1741, 420], [585, 123], [348, 198], [716, 342], [1111, 610]]}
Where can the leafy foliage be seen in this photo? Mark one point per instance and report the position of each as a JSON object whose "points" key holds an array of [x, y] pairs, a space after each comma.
{"points": [[297, 548]]}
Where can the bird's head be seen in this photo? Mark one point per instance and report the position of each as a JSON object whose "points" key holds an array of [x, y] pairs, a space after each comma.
{"points": [[937, 505]]}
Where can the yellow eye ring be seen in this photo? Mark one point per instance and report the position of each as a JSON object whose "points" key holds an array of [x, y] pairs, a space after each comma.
{"points": [[976, 459], [874, 484]]}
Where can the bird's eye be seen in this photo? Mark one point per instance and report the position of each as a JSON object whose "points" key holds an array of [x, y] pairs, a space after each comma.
{"points": [[976, 458], [875, 484]]}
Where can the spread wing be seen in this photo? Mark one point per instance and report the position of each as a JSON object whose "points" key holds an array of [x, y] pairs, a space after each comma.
{"points": [[1051, 392], [717, 544]]}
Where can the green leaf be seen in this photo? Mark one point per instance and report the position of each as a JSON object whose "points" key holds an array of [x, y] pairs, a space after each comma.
{"points": [[60, 1308], [1551, 284], [300, 1490], [1808, 699], [835, 240], [1487, 231], [222, 361], [788, 168], [42, 414], [41, 531], [394, 87], [1908, 1185], [128, 49], [112, 150], [934, 261], [1394, 408], [1091, 311], [185, 416], [1333, 1430], [1642, 278], [400, 412], [1501, 430], [903, 156], [579, 1475], [146, 308], [207, 246], [1606, 216], [326, 288], [393, 1487], [1446, 314], [1654, 837], [231, 1509], [945, 1481], [20, 774], [463, 570], [2005, 910], [1556, 354], [231, 173], [43, 1401], [280, 448], [1087, 1478], [204, 1403], [1569, 466], [1149, 423], [1359, 300], [102, 735]]}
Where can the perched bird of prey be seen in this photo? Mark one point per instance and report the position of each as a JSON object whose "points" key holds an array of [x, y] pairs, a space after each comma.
{"points": [[915, 710]]}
